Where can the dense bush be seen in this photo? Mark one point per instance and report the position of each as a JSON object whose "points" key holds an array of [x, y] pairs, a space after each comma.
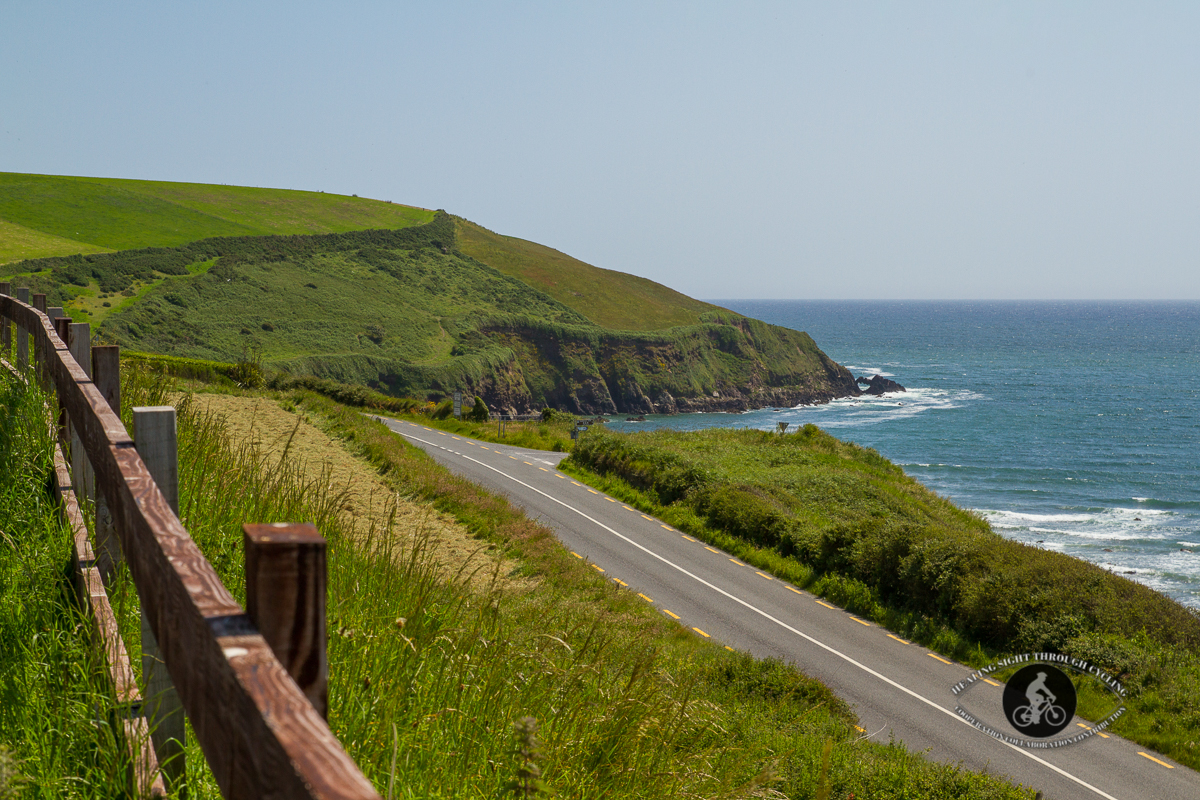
{"points": [[841, 509], [479, 411]]}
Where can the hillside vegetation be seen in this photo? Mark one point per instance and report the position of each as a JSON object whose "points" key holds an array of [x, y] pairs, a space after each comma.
{"points": [[409, 313], [52, 215], [852, 525]]}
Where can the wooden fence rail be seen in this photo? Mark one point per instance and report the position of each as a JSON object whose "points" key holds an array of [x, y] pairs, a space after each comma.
{"points": [[261, 736]]}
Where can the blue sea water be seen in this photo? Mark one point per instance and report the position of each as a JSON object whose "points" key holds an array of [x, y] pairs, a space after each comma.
{"points": [[1071, 425]]}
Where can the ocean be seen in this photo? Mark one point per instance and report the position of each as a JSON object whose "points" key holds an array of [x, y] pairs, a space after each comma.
{"points": [[1074, 426]]}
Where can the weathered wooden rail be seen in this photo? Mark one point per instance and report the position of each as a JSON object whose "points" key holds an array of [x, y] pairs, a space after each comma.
{"points": [[260, 733]]}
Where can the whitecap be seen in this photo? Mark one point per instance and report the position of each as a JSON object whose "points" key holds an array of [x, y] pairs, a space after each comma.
{"points": [[1017, 515]]}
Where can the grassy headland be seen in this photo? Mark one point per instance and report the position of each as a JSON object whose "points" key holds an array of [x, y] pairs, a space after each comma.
{"points": [[850, 525], [407, 312]]}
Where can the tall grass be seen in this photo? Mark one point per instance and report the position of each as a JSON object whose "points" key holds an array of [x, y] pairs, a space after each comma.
{"points": [[56, 711]]}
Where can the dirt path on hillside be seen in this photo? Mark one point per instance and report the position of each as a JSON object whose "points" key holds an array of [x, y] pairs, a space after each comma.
{"points": [[368, 499]]}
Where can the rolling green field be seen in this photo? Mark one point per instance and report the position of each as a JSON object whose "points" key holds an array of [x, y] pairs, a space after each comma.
{"points": [[51, 215]]}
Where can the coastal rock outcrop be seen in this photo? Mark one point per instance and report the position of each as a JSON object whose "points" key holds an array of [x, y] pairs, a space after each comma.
{"points": [[877, 385]]}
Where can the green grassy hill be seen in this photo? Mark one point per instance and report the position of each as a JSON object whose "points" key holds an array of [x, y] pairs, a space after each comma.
{"points": [[401, 299], [51, 215], [407, 312]]}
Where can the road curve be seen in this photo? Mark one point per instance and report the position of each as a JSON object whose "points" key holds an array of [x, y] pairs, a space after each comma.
{"points": [[894, 686]]}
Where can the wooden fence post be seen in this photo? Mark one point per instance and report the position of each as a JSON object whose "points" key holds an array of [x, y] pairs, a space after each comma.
{"points": [[22, 334], [285, 598], [154, 437], [106, 374], [5, 322], [38, 301], [62, 326], [79, 342]]}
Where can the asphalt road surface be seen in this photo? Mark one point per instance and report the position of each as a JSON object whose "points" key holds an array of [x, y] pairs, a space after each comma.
{"points": [[894, 686]]}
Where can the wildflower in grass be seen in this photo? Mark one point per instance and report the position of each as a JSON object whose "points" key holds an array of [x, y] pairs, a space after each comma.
{"points": [[528, 782]]}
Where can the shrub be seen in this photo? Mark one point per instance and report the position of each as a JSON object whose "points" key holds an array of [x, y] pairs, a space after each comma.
{"points": [[443, 410], [479, 411]]}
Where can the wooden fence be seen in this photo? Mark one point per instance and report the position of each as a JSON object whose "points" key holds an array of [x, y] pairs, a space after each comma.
{"points": [[260, 733]]}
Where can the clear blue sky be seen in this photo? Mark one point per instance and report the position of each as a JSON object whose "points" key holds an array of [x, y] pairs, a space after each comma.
{"points": [[789, 150]]}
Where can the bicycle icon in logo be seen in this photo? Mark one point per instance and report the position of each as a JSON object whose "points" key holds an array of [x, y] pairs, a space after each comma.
{"points": [[1039, 700]]}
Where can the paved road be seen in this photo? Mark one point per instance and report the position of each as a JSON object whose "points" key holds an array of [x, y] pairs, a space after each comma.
{"points": [[894, 686]]}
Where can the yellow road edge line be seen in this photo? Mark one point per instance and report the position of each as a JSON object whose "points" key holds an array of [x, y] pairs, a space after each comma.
{"points": [[618, 580], [576, 554], [598, 569], [764, 575], [993, 683], [627, 508], [823, 603], [897, 638], [530, 463], [730, 649], [564, 477], [702, 633], [543, 469], [711, 549], [609, 499], [860, 621], [441, 434], [593, 491], [647, 599], [514, 458], [670, 613], [939, 658], [576, 483], [860, 729], [690, 539], [649, 518], [794, 589], [740, 564], [1155, 760], [668, 527], [455, 437]]}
